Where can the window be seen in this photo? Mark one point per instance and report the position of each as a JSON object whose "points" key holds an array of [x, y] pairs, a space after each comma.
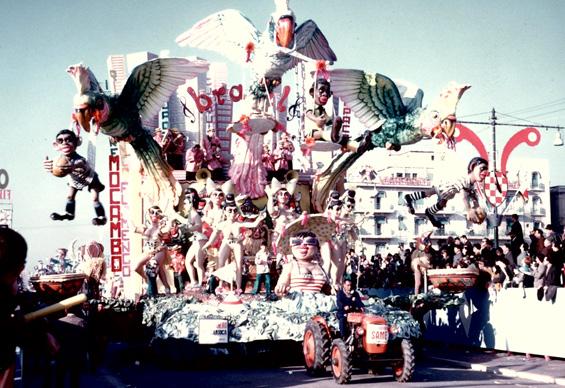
{"points": [[379, 221], [536, 178], [536, 205], [508, 224], [400, 198], [401, 225], [378, 196], [419, 226]]}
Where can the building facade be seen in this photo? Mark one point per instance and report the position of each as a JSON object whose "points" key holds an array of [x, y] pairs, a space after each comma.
{"points": [[557, 194], [387, 226]]}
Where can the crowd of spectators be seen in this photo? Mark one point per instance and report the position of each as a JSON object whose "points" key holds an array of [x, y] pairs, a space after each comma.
{"points": [[538, 263]]}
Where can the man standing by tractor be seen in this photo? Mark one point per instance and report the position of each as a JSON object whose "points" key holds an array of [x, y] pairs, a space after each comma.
{"points": [[348, 300]]}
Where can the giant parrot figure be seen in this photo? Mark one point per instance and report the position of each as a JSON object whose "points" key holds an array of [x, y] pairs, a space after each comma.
{"points": [[146, 91], [392, 113], [270, 54]]}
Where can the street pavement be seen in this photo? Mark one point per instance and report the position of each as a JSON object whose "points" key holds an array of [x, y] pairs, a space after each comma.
{"points": [[534, 368], [126, 367]]}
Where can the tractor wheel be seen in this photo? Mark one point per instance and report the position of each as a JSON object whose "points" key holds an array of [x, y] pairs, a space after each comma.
{"points": [[404, 369], [341, 362], [316, 348]]}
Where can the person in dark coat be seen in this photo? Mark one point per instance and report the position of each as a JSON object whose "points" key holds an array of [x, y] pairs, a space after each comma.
{"points": [[516, 237], [552, 278], [348, 300]]}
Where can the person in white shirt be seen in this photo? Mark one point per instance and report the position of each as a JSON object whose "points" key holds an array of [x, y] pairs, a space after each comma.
{"points": [[262, 270]]}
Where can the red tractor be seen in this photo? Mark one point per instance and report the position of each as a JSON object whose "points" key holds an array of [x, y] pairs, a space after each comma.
{"points": [[372, 343]]}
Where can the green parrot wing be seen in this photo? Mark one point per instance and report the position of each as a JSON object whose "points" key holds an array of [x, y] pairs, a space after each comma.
{"points": [[373, 98]]}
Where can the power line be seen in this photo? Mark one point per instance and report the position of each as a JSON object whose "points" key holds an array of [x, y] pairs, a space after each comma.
{"points": [[475, 114], [547, 113], [540, 106], [516, 118], [526, 110]]}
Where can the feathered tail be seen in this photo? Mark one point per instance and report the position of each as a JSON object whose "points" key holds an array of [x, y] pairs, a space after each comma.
{"points": [[166, 191], [328, 179]]}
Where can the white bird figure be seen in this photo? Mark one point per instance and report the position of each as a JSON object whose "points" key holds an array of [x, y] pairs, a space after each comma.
{"points": [[270, 54]]}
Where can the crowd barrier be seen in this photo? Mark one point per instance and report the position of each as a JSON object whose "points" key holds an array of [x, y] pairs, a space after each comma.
{"points": [[511, 320]]}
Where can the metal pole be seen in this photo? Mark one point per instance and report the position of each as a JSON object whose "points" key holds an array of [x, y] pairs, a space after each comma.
{"points": [[493, 170]]}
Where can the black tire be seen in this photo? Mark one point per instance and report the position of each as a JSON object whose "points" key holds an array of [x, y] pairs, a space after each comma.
{"points": [[404, 369], [316, 348], [341, 362]]}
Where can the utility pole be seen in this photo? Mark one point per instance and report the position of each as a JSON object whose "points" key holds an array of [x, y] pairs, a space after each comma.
{"points": [[493, 170]]}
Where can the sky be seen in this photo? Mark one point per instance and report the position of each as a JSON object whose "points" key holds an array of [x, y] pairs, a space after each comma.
{"points": [[511, 52]]}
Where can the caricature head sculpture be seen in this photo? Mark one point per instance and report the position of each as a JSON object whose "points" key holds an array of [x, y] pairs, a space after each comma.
{"points": [[439, 118], [304, 246], [321, 91], [231, 211], [348, 199], [89, 102], [478, 169], [155, 214], [66, 142], [282, 24], [191, 197]]}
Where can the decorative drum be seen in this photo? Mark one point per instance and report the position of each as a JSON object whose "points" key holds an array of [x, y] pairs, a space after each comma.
{"points": [[453, 279], [58, 286]]}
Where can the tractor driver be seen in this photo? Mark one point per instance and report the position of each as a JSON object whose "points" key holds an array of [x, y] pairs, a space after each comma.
{"points": [[348, 300]]}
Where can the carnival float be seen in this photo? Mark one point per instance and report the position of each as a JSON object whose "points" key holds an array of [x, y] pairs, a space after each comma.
{"points": [[214, 226]]}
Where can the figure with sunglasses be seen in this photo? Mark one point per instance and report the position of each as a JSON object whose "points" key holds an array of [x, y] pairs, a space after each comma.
{"points": [[231, 227], [213, 213], [195, 257], [153, 246], [477, 171], [80, 173], [304, 272]]}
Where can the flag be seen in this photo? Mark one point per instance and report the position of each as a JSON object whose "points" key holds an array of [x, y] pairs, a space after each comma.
{"points": [[523, 194]]}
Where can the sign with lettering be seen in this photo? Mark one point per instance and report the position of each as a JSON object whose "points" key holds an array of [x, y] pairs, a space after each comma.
{"points": [[235, 94], [213, 331], [5, 195], [119, 229], [4, 179]]}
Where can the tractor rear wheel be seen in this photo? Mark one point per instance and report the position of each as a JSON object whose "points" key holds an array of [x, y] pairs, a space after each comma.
{"points": [[341, 362], [316, 348], [403, 370]]}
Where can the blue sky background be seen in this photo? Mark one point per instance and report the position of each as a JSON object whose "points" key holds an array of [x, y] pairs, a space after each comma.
{"points": [[510, 51]]}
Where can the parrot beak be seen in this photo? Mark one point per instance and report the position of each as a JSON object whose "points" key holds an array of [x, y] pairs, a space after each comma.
{"points": [[285, 32], [83, 117], [448, 125]]}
